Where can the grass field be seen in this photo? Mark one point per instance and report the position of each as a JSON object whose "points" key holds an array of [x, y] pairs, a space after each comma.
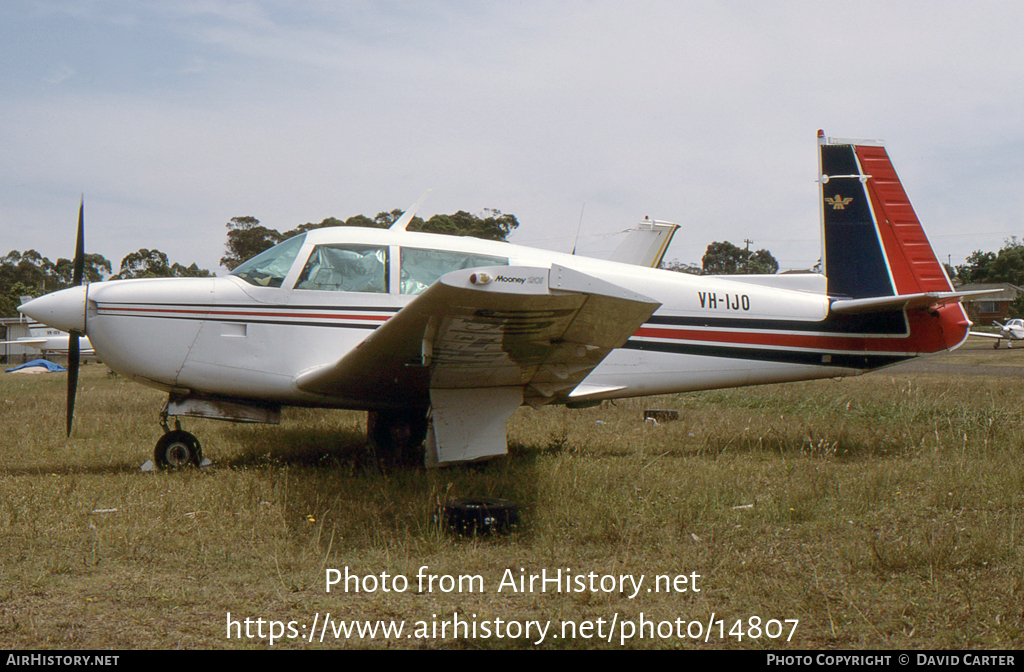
{"points": [[885, 511]]}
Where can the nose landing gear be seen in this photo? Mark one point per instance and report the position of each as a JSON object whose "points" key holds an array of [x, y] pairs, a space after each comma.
{"points": [[177, 448]]}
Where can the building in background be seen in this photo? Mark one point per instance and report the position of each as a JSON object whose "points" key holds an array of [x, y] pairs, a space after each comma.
{"points": [[984, 310]]}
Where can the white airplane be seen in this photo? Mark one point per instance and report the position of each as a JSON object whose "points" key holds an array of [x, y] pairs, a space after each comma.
{"points": [[49, 340], [441, 337], [1012, 331]]}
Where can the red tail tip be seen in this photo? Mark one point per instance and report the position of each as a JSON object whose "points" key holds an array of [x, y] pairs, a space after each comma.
{"points": [[821, 133]]}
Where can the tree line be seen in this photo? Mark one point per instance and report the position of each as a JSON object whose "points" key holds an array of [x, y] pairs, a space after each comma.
{"points": [[247, 237], [31, 274], [724, 258], [1006, 265]]}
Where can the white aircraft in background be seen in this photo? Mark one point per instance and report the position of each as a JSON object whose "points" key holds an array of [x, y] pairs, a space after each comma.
{"points": [[442, 337], [53, 341], [1012, 331], [48, 340]]}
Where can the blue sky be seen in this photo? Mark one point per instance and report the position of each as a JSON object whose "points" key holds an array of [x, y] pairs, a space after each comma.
{"points": [[174, 117]]}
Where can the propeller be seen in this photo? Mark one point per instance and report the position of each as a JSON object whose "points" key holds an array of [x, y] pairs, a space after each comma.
{"points": [[73, 336]]}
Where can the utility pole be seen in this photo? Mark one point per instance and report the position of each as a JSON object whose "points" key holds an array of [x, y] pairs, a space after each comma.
{"points": [[746, 257]]}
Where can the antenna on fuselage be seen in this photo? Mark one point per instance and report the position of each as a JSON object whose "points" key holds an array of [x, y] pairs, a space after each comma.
{"points": [[407, 216]]}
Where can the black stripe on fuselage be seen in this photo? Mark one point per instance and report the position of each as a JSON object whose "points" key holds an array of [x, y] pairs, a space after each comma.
{"points": [[846, 361], [888, 323]]}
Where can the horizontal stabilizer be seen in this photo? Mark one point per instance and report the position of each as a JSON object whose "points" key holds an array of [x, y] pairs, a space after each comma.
{"points": [[645, 244], [922, 300]]}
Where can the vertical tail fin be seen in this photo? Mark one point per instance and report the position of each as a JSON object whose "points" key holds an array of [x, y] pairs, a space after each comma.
{"points": [[874, 244]]}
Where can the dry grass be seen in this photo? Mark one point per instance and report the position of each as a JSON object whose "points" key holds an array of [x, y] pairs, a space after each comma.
{"points": [[882, 512]]}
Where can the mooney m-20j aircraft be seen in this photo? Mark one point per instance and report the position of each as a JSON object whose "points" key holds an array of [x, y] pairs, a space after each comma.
{"points": [[441, 338]]}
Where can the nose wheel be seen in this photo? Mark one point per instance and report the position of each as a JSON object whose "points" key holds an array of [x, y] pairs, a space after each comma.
{"points": [[177, 449]]}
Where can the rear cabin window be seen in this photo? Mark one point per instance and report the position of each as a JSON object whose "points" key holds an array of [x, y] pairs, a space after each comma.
{"points": [[346, 268], [421, 268], [268, 268]]}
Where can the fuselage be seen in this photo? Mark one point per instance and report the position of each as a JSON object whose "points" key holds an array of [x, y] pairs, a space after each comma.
{"points": [[316, 297]]}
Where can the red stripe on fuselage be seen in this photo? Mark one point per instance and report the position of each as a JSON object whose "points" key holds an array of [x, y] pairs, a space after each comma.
{"points": [[230, 313]]}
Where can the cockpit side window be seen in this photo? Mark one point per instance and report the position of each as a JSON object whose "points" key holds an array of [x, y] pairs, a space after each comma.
{"points": [[421, 268], [346, 268], [269, 268]]}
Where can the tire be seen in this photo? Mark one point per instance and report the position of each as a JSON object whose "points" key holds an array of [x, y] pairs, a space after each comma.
{"points": [[480, 516], [176, 450]]}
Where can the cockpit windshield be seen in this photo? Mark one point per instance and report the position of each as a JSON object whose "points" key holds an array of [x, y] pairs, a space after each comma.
{"points": [[269, 268]]}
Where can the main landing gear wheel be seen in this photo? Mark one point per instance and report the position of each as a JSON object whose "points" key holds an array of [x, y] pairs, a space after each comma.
{"points": [[177, 449], [398, 436]]}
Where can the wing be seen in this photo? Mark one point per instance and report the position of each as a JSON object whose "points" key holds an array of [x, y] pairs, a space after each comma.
{"points": [[986, 335], [55, 343], [541, 330], [25, 341]]}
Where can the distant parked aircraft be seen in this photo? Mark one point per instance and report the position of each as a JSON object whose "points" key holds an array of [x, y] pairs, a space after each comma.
{"points": [[49, 340], [1010, 332]]}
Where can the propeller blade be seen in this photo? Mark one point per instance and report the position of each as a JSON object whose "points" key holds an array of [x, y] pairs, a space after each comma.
{"points": [[79, 266], [72, 376], [73, 336]]}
